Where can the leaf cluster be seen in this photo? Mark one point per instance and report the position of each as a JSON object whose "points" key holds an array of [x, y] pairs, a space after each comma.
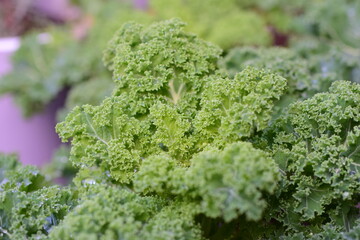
{"points": [[185, 149], [179, 128]]}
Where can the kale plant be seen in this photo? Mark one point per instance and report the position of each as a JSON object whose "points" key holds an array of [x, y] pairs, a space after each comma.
{"points": [[183, 149]]}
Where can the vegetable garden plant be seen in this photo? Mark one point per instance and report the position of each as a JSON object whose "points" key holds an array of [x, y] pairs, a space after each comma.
{"points": [[183, 149]]}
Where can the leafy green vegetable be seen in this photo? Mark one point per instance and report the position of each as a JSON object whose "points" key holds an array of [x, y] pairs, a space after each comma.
{"points": [[316, 146], [211, 181], [29, 207], [182, 137], [158, 137], [283, 61], [190, 145], [160, 107], [304, 76], [113, 213], [46, 63]]}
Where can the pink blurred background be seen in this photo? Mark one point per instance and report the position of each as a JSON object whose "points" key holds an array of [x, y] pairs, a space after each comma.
{"points": [[33, 139]]}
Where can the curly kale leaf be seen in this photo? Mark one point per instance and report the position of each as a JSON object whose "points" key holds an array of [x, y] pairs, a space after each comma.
{"points": [[285, 62], [25, 179], [106, 136], [232, 181], [7, 163], [304, 77], [122, 128], [161, 62], [328, 231], [232, 109], [28, 208], [33, 215], [113, 213], [317, 147], [168, 98], [221, 183], [175, 221]]}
